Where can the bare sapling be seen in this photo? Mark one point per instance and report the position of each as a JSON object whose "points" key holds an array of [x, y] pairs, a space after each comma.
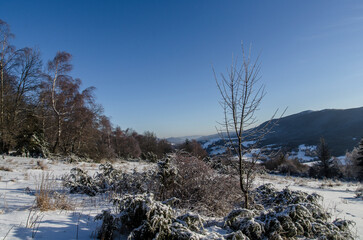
{"points": [[241, 96]]}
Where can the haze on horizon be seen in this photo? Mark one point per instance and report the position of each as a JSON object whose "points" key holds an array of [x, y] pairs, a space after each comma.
{"points": [[151, 61]]}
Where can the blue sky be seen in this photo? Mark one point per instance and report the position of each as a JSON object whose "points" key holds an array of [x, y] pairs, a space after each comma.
{"points": [[151, 61]]}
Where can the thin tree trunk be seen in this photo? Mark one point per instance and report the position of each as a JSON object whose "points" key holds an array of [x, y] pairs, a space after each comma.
{"points": [[59, 132], [2, 97]]}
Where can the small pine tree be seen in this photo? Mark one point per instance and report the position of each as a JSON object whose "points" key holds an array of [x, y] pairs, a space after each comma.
{"points": [[324, 158], [359, 161]]}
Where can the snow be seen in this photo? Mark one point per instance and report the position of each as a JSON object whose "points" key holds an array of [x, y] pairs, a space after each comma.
{"points": [[17, 195], [220, 149], [210, 142], [341, 160], [302, 153], [248, 143], [217, 150]]}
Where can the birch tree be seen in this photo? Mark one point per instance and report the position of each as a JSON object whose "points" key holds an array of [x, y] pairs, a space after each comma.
{"points": [[58, 68]]}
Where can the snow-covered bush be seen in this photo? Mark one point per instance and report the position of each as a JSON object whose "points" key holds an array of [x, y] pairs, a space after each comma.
{"points": [[145, 218], [276, 215], [152, 157], [359, 193], [287, 214], [110, 179], [167, 175], [80, 182]]}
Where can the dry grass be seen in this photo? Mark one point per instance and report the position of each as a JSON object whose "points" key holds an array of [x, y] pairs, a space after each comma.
{"points": [[2, 168], [42, 165], [330, 183], [26, 176], [47, 198], [301, 182], [93, 165]]}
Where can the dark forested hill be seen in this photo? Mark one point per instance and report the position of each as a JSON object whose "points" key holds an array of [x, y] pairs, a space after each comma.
{"points": [[342, 129]]}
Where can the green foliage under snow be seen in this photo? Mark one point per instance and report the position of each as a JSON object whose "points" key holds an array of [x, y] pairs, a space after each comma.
{"points": [[282, 214]]}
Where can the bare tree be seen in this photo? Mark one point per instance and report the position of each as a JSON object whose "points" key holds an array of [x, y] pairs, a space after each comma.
{"points": [[26, 69], [7, 53], [241, 97], [58, 67]]}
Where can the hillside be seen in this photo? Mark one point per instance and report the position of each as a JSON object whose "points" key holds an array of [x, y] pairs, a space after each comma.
{"points": [[342, 130]]}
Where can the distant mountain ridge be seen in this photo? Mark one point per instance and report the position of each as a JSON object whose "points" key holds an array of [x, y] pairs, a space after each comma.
{"points": [[341, 128]]}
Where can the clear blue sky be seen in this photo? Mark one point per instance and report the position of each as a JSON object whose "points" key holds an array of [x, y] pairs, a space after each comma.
{"points": [[151, 61]]}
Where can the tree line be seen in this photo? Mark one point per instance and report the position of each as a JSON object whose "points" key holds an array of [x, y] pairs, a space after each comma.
{"points": [[44, 110]]}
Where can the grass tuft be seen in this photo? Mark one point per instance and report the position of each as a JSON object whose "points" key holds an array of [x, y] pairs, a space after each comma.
{"points": [[47, 198]]}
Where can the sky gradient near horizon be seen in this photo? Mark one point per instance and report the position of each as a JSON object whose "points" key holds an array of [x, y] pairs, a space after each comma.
{"points": [[151, 61]]}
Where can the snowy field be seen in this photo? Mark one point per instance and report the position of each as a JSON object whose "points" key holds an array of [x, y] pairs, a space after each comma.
{"points": [[20, 177]]}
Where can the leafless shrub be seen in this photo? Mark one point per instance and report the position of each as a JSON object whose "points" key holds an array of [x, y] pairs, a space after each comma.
{"points": [[284, 165], [201, 189]]}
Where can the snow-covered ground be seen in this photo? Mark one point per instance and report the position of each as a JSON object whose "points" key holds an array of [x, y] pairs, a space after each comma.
{"points": [[305, 153], [18, 186], [17, 195], [214, 149]]}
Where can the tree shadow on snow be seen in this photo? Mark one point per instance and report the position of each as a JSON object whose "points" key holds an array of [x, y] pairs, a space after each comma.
{"points": [[55, 225]]}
